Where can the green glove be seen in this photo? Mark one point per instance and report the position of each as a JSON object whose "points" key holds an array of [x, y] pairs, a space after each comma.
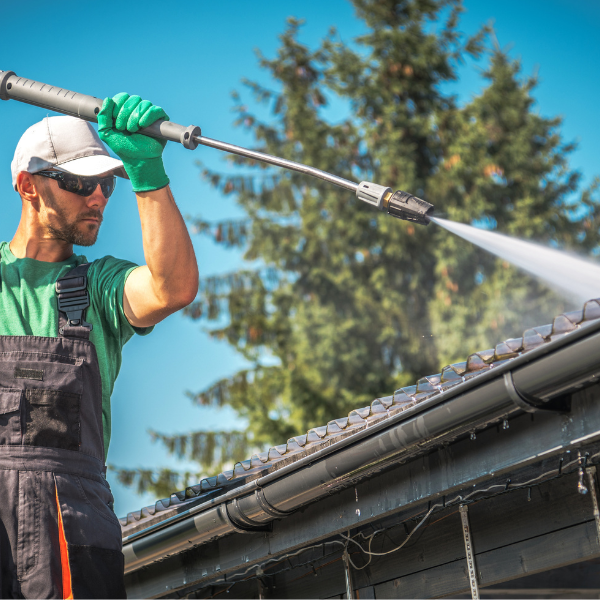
{"points": [[118, 122]]}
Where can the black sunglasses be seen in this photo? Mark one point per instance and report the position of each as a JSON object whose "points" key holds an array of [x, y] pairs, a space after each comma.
{"points": [[80, 184]]}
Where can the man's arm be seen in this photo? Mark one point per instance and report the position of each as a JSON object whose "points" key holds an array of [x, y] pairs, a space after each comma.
{"points": [[169, 280]]}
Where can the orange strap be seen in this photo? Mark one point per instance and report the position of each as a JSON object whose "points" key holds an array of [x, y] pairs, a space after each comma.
{"points": [[64, 555]]}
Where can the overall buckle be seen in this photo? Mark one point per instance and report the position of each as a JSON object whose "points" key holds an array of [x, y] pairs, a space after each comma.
{"points": [[73, 300]]}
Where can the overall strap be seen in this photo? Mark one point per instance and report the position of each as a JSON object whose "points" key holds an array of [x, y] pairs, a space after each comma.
{"points": [[73, 300]]}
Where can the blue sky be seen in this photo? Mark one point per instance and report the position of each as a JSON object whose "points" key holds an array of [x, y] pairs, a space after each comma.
{"points": [[188, 56]]}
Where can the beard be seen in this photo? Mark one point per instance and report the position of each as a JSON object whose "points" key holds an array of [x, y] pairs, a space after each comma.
{"points": [[72, 231]]}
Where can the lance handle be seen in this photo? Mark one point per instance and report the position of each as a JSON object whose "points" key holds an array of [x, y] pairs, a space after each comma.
{"points": [[13, 87]]}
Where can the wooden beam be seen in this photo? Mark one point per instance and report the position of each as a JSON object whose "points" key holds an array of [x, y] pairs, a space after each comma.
{"points": [[438, 551], [556, 549]]}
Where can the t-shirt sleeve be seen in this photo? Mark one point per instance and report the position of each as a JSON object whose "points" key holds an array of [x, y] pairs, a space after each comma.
{"points": [[107, 279]]}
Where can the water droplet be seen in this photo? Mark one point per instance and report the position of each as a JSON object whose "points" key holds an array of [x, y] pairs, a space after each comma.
{"points": [[473, 436], [581, 487], [356, 492], [505, 424], [358, 512]]}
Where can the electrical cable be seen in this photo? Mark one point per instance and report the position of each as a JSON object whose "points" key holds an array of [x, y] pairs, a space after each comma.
{"points": [[458, 498], [394, 549]]}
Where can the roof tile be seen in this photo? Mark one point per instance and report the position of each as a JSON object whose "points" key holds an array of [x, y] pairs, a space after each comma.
{"points": [[562, 324], [401, 398], [354, 418], [333, 428], [377, 407], [476, 363], [591, 310], [575, 316], [424, 386], [504, 351], [274, 454], [449, 374], [386, 401], [460, 367], [531, 339]]}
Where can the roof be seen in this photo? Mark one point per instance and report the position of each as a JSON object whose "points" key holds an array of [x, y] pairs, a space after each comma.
{"points": [[359, 419]]}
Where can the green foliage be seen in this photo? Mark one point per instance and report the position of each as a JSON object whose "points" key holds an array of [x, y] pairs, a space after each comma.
{"points": [[161, 483], [207, 448], [211, 450], [349, 304]]}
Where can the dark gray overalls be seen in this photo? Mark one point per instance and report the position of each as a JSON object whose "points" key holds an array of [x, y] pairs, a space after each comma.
{"points": [[59, 537]]}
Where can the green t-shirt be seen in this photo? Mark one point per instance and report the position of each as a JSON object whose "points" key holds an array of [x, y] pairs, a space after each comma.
{"points": [[28, 307]]}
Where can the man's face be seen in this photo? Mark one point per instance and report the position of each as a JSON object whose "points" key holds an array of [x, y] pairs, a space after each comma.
{"points": [[69, 217]]}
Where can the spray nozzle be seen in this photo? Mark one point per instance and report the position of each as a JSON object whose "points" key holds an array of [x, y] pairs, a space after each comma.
{"points": [[401, 205]]}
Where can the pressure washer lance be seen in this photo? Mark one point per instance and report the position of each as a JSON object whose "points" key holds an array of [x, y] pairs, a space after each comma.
{"points": [[398, 204]]}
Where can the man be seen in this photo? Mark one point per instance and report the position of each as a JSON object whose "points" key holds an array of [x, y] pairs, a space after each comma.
{"points": [[63, 323]]}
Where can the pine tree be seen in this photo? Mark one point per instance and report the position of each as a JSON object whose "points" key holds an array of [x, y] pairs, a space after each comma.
{"points": [[350, 304], [506, 166]]}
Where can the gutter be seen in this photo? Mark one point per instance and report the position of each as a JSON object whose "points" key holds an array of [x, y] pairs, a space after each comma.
{"points": [[534, 381]]}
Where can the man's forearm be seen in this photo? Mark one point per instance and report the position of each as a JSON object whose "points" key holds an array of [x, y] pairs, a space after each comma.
{"points": [[168, 248], [170, 259]]}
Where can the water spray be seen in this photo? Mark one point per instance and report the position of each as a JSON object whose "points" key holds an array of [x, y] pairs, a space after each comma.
{"points": [[399, 204], [574, 278]]}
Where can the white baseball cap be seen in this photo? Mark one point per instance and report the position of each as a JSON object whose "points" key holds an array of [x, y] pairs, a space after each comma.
{"points": [[64, 143]]}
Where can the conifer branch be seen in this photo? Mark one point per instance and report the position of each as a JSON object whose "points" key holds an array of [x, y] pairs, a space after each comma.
{"points": [[210, 449], [161, 483]]}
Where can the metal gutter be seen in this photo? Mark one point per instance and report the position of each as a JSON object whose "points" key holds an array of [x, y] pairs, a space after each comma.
{"points": [[585, 329], [528, 382]]}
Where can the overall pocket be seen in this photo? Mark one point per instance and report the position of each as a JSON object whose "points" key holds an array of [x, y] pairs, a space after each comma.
{"points": [[10, 417], [93, 537], [36, 374], [88, 518], [29, 524], [52, 419]]}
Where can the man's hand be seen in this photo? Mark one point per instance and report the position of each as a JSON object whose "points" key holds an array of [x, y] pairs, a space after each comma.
{"points": [[118, 121]]}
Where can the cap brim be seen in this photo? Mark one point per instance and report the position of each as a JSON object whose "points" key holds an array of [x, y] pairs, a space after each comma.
{"points": [[94, 165]]}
